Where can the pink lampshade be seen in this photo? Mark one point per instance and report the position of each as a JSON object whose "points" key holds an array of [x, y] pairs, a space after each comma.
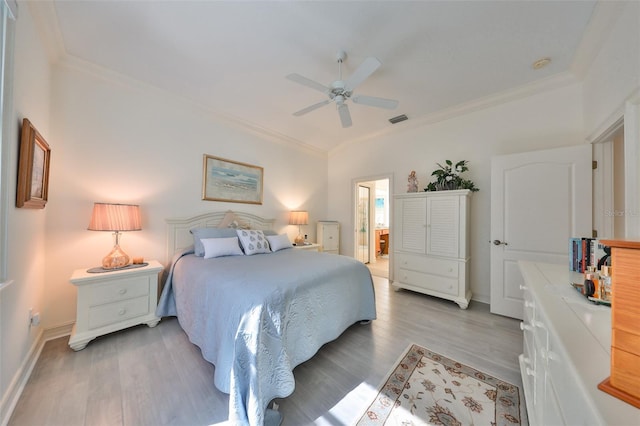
{"points": [[115, 217], [299, 218]]}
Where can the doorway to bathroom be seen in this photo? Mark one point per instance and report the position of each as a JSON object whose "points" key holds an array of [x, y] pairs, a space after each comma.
{"points": [[372, 219]]}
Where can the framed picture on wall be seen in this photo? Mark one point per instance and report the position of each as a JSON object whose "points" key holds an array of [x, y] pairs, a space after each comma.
{"points": [[226, 180], [33, 168]]}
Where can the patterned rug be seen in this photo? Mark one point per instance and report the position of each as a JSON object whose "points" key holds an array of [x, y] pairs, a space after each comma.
{"points": [[426, 388]]}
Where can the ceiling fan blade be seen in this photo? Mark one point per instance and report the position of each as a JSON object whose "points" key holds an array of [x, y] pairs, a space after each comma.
{"points": [[375, 102], [310, 108], [309, 83], [345, 117], [366, 68]]}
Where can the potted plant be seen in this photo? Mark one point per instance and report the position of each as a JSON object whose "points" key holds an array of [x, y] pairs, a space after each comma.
{"points": [[448, 177]]}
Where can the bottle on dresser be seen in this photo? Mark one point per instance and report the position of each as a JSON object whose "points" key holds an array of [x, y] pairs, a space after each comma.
{"points": [[590, 285], [605, 283]]}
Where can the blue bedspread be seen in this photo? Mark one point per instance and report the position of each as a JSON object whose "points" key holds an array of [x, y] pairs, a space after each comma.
{"points": [[257, 317]]}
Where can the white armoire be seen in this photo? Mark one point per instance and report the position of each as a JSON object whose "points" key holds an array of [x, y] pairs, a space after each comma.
{"points": [[431, 244], [328, 235]]}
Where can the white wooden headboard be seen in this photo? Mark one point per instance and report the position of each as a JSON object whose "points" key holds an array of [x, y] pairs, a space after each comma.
{"points": [[178, 229]]}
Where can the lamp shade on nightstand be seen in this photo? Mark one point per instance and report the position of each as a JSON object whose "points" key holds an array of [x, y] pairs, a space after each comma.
{"points": [[299, 218], [115, 218]]}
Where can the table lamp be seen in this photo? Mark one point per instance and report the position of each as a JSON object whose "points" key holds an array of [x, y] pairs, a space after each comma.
{"points": [[299, 218], [115, 218]]}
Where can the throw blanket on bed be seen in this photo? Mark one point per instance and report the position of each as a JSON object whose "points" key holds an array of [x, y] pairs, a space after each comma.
{"points": [[257, 317]]}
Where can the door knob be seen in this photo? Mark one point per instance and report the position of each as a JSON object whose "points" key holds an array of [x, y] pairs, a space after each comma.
{"points": [[499, 243]]}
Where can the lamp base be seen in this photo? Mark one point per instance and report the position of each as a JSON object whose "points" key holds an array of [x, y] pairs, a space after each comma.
{"points": [[299, 240], [116, 259]]}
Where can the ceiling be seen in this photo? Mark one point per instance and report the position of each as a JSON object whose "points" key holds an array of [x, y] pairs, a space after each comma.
{"points": [[233, 56]]}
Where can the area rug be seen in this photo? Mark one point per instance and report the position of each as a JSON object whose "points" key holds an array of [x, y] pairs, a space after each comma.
{"points": [[426, 388]]}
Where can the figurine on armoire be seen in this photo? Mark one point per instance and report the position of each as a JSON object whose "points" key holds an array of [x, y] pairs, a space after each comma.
{"points": [[412, 186]]}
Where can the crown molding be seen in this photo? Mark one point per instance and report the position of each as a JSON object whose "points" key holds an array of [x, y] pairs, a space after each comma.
{"points": [[603, 19], [46, 22], [556, 81], [105, 74], [45, 18]]}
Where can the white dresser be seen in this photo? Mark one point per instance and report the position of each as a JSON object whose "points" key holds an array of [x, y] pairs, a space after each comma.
{"points": [[328, 235], [431, 244], [111, 301], [566, 353]]}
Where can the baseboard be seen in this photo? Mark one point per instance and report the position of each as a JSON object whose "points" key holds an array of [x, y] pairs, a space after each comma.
{"points": [[20, 379], [59, 331], [10, 398]]}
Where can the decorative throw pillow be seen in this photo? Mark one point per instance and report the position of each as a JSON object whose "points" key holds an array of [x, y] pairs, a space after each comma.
{"points": [[216, 247], [200, 233], [278, 242], [253, 241], [230, 220]]}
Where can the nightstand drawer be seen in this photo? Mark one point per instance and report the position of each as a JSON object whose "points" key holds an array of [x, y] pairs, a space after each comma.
{"points": [[121, 290], [115, 312]]}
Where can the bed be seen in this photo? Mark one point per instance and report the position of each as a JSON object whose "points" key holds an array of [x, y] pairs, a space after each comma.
{"points": [[255, 317]]}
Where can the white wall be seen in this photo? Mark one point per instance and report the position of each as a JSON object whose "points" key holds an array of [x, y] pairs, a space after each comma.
{"points": [[26, 227], [611, 91], [614, 74], [547, 120], [115, 140]]}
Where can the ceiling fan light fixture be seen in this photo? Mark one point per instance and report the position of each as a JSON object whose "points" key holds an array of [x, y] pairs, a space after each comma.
{"points": [[340, 91]]}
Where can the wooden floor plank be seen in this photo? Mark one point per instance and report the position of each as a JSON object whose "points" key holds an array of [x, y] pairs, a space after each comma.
{"points": [[155, 376]]}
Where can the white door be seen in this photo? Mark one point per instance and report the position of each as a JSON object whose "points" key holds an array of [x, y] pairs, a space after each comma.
{"points": [[538, 201], [363, 222]]}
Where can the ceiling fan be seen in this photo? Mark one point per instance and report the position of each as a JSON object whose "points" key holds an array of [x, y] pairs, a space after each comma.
{"points": [[340, 91]]}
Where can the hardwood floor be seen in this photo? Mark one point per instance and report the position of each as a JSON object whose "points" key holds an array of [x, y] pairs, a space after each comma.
{"points": [[155, 376], [380, 268]]}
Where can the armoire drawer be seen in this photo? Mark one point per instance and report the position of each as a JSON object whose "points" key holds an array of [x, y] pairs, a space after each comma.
{"points": [[428, 281], [427, 265]]}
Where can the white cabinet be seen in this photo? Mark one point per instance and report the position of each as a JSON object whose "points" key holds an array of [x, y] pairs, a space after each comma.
{"points": [[111, 301], [328, 235], [431, 253], [566, 353]]}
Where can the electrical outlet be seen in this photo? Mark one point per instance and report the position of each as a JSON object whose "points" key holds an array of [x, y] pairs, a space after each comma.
{"points": [[34, 318]]}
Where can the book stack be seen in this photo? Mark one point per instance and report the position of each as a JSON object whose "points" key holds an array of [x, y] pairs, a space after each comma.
{"points": [[585, 252]]}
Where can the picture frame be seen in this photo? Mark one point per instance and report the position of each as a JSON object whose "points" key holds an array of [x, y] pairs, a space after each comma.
{"points": [[33, 168], [231, 181]]}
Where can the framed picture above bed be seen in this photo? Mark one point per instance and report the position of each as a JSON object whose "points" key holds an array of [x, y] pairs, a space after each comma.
{"points": [[33, 168], [231, 181]]}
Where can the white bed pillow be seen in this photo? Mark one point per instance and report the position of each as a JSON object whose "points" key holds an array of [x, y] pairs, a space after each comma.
{"points": [[253, 241], [279, 242], [200, 234], [217, 247]]}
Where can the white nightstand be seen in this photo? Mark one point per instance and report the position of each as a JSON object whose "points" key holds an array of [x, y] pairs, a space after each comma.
{"points": [[310, 247], [111, 301]]}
